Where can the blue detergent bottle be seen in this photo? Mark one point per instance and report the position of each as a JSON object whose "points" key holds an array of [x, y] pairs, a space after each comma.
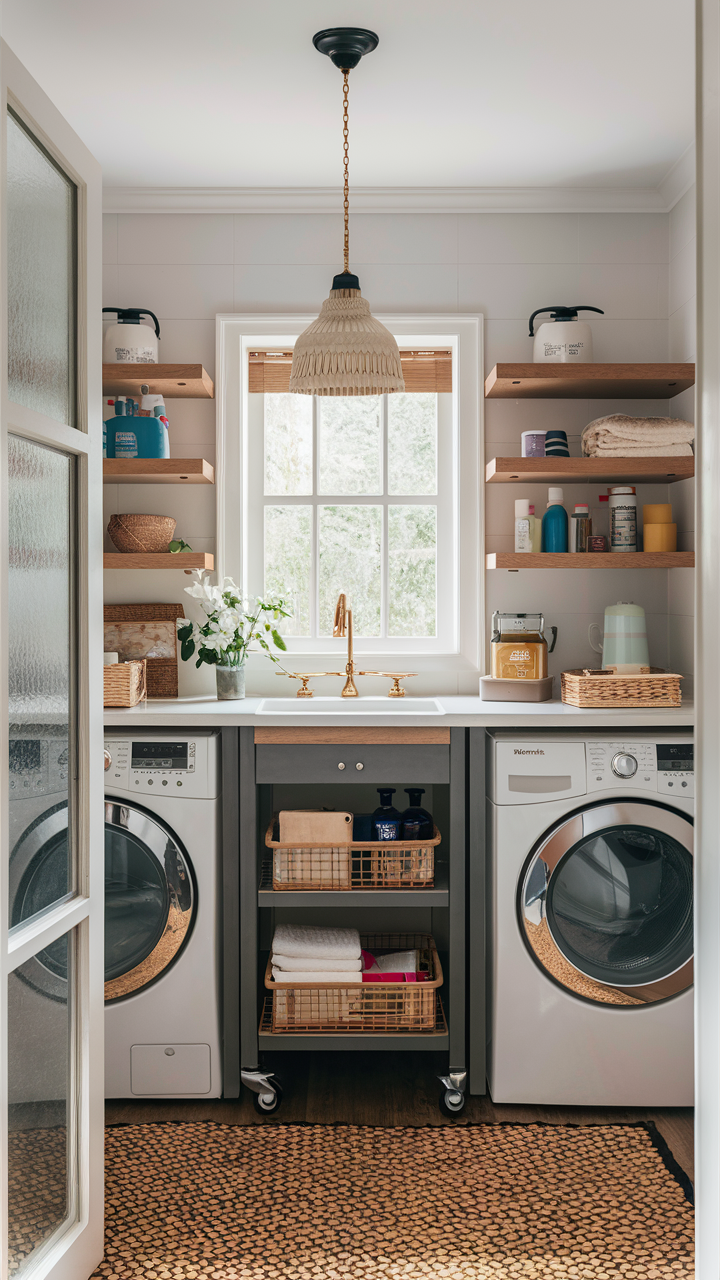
{"points": [[555, 523], [122, 436], [110, 426]]}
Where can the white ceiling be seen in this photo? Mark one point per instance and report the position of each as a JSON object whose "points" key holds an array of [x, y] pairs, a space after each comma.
{"points": [[459, 93]]}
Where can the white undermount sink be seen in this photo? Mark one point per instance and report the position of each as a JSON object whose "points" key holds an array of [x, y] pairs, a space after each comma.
{"points": [[337, 706]]}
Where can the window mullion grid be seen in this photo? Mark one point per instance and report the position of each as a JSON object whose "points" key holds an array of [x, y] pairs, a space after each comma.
{"points": [[384, 568], [315, 552]]}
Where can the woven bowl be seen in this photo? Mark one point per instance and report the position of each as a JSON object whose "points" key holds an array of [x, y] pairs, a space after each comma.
{"points": [[141, 533]]}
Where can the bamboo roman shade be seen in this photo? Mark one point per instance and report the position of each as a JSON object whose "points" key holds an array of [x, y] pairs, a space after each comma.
{"points": [[423, 370]]}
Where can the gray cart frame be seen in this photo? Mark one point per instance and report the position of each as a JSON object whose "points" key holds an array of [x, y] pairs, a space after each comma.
{"points": [[243, 813]]}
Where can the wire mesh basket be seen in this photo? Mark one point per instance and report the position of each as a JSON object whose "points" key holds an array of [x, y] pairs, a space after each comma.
{"points": [[363, 1007], [366, 864]]}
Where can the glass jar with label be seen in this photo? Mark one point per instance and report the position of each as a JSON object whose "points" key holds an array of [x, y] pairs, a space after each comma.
{"points": [[623, 518], [519, 650]]}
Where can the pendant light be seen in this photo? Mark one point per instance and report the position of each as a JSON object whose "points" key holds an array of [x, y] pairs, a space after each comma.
{"points": [[346, 351]]}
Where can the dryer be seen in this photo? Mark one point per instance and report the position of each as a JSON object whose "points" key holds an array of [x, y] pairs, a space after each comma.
{"points": [[590, 842]]}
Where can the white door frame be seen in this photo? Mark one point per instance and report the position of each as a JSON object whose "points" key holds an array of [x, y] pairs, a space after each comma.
{"points": [[707, 674], [74, 1253]]}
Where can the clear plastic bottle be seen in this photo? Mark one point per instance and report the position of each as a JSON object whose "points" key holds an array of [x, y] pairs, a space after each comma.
{"points": [[580, 527], [600, 516], [524, 525], [537, 530]]}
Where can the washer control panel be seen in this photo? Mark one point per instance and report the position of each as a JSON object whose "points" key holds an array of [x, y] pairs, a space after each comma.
{"points": [[158, 766], [38, 766], [665, 767], [675, 768]]}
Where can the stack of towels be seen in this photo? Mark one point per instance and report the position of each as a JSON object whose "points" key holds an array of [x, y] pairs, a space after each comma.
{"points": [[306, 953], [622, 436]]}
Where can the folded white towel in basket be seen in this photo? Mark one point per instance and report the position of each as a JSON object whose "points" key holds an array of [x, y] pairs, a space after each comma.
{"points": [[307, 976], [296, 964], [313, 941]]}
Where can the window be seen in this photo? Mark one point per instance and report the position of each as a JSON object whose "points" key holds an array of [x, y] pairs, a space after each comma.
{"points": [[351, 502], [362, 494]]}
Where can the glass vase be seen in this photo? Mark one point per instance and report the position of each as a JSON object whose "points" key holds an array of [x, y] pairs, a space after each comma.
{"points": [[230, 682]]}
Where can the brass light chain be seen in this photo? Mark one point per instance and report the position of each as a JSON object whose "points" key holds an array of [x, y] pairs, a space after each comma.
{"points": [[346, 196]]}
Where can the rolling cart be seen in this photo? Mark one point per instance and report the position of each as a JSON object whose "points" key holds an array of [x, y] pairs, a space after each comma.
{"points": [[320, 763]]}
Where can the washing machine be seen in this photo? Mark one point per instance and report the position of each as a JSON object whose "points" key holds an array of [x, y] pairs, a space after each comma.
{"points": [[590, 894], [162, 918], [162, 935]]}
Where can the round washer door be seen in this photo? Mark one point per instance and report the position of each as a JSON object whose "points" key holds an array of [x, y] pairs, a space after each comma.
{"points": [[606, 903], [150, 896]]}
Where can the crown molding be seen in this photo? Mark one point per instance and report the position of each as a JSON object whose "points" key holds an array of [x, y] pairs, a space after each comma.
{"points": [[295, 200], [679, 179]]}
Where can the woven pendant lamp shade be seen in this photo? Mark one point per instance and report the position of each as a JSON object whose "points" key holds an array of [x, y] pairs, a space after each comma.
{"points": [[346, 351]]}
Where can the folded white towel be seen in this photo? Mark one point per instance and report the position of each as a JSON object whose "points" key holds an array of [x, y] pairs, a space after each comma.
{"points": [[648, 437], [304, 977], [313, 941], [641, 451], [297, 963]]}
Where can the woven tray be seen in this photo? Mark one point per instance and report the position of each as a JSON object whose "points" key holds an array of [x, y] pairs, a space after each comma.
{"points": [[378, 864], [362, 1007], [583, 688], [125, 684]]}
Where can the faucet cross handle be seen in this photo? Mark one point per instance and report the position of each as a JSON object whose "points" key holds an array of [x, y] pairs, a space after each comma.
{"points": [[396, 677]]}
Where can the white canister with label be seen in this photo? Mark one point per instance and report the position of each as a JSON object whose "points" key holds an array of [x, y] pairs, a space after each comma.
{"points": [[623, 518]]}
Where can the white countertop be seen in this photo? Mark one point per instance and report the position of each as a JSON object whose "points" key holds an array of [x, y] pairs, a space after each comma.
{"points": [[473, 712]]}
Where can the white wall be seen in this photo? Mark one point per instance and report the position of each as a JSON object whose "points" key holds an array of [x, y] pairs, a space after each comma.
{"points": [[682, 334], [188, 267]]}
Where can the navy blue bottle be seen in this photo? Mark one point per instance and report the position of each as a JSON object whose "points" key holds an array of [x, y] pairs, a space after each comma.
{"points": [[387, 822], [417, 816]]}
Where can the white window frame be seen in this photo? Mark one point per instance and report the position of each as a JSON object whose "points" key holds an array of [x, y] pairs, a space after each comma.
{"points": [[459, 645]]}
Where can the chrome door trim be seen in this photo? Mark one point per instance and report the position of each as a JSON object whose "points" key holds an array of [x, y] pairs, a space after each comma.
{"points": [[177, 870], [549, 852]]}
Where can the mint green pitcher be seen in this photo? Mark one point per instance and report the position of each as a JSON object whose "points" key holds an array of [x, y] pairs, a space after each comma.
{"points": [[625, 638]]}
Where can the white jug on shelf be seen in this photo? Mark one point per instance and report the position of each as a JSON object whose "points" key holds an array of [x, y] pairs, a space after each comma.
{"points": [[563, 339]]}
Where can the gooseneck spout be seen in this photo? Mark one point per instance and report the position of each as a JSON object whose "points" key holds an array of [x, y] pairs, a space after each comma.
{"points": [[342, 626]]}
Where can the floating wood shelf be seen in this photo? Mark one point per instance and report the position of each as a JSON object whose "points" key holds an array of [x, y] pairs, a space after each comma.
{"points": [[186, 560], [588, 381], [588, 470], [157, 471], [174, 381], [590, 560]]}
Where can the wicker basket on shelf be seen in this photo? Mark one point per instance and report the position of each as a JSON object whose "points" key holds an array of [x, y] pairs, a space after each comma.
{"points": [[584, 688], [125, 684], [360, 864], [363, 1007]]}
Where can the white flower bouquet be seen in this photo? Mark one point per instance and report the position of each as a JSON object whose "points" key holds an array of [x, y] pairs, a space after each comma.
{"points": [[232, 624]]}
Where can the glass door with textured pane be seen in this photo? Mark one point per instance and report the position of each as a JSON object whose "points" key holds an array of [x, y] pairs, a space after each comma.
{"points": [[51, 836]]}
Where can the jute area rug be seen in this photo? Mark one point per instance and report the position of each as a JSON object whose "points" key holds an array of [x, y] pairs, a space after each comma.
{"points": [[325, 1202]]}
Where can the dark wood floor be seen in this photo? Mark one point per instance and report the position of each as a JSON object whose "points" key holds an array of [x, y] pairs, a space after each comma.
{"points": [[389, 1089]]}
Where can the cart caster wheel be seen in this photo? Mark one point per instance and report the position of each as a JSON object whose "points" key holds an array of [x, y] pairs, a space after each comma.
{"points": [[452, 1102], [266, 1103]]}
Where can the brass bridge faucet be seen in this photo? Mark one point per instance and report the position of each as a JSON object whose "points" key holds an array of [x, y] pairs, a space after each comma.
{"points": [[342, 625]]}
